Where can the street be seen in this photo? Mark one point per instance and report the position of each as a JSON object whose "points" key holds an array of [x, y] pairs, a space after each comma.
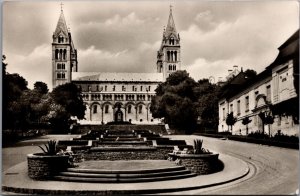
{"points": [[274, 170]]}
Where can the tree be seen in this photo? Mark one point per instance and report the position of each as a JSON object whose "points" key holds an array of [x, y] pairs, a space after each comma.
{"points": [[66, 101], [41, 87], [246, 121], [175, 101], [13, 87], [230, 120], [207, 103], [267, 119]]}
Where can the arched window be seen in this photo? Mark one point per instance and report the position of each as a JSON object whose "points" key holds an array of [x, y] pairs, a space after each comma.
{"points": [[168, 54], [65, 54], [129, 109], [97, 88], [141, 88], [63, 75], [56, 54], [95, 109], [172, 53], [105, 88], [114, 88], [106, 109], [140, 109], [175, 55]]}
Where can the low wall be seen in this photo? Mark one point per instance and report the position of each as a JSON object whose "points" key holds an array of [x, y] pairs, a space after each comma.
{"points": [[198, 163], [42, 167]]}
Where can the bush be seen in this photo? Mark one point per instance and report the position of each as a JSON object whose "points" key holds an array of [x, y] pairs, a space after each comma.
{"points": [[50, 148], [285, 138], [258, 135], [198, 147]]}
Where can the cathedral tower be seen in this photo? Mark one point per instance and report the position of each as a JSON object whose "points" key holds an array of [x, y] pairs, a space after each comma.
{"points": [[168, 56], [64, 54]]}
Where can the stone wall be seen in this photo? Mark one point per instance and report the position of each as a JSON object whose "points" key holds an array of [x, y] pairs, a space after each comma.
{"points": [[43, 167], [199, 164]]}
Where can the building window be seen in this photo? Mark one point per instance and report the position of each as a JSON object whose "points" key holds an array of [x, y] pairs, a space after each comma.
{"points": [[141, 88], [114, 88], [238, 107], [231, 108], [256, 93], [60, 75], [106, 109], [247, 103], [140, 109], [95, 109], [223, 114], [149, 88], [123, 88], [97, 88], [129, 109], [105, 88], [268, 93]]}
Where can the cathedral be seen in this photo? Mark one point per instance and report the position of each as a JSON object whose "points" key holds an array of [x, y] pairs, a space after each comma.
{"points": [[114, 96]]}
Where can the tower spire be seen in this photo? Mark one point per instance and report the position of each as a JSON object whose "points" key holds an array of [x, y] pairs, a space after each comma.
{"points": [[61, 24], [61, 6], [171, 24]]}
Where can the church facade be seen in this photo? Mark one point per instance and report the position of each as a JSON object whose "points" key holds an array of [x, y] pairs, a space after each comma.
{"points": [[114, 96]]}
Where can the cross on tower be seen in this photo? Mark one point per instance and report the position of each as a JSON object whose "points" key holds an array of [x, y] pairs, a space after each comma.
{"points": [[171, 8], [61, 6]]}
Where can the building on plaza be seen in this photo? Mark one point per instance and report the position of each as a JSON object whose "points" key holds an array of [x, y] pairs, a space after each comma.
{"points": [[114, 96], [273, 92]]}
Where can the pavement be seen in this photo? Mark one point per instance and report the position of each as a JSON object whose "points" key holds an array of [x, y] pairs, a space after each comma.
{"points": [[15, 179]]}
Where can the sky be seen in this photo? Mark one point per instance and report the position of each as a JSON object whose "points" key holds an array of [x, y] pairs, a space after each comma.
{"points": [[124, 36]]}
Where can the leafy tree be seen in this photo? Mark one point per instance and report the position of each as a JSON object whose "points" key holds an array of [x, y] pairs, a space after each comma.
{"points": [[41, 87], [267, 119], [230, 120], [207, 103], [246, 121], [13, 87], [175, 101], [66, 101]]}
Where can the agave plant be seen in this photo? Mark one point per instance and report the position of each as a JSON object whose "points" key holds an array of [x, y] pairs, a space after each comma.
{"points": [[50, 148], [198, 147]]}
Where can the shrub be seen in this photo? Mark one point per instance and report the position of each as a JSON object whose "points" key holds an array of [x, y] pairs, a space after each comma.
{"points": [[50, 148], [258, 135], [198, 147], [285, 138]]}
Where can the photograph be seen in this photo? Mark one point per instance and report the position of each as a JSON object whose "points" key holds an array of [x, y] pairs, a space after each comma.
{"points": [[144, 97]]}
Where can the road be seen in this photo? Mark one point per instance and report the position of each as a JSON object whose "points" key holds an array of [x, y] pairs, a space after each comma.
{"points": [[274, 170]]}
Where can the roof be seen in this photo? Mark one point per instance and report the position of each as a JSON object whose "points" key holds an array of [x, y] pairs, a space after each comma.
{"points": [[61, 25], [171, 29], [288, 50], [117, 77]]}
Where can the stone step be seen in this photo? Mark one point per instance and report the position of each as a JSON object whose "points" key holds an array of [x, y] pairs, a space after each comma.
{"points": [[120, 136], [125, 175], [122, 143], [123, 139], [137, 171], [124, 180]]}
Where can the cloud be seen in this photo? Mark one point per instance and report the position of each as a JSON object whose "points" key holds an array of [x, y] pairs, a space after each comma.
{"points": [[36, 66], [130, 19]]}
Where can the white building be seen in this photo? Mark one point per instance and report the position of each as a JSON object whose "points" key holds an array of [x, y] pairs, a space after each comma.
{"points": [[114, 96], [272, 92]]}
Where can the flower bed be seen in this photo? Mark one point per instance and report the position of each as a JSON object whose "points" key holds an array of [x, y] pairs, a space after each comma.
{"points": [[42, 167]]}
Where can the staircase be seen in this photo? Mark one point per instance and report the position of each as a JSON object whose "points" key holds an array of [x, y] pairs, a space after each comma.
{"points": [[124, 176]]}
